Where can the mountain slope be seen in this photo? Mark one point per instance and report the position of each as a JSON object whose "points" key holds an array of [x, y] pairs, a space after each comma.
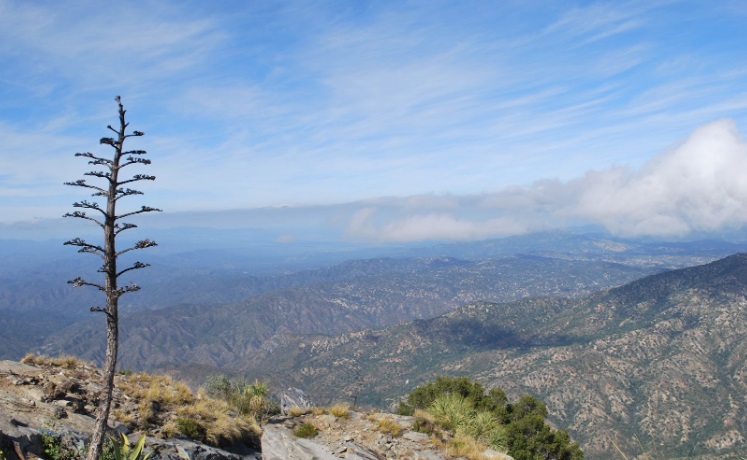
{"points": [[33, 274], [353, 296], [663, 358]]}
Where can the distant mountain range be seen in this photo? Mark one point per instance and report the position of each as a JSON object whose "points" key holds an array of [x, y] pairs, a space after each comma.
{"points": [[353, 296], [662, 359], [555, 314]]}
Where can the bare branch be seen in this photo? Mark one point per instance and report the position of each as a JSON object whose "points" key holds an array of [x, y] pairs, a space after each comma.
{"points": [[92, 251], [86, 247], [142, 244], [98, 310], [126, 192], [118, 228], [85, 204], [138, 177], [103, 175], [78, 282], [82, 183], [132, 287], [135, 266], [133, 160], [146, 243], [134, 152], [142, 210], [82, 215], [96, 160]]}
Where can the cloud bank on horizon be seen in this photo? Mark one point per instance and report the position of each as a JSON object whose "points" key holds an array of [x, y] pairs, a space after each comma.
{"points": [[391, 122], [695, 187]]}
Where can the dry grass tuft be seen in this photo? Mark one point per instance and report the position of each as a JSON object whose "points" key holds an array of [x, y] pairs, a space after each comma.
{"points": [[65, 362], [168, 407], [165, 407], [295, 411], [464, 447], [340, 410], [388, 426]]}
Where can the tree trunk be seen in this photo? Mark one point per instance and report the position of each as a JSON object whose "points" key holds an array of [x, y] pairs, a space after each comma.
{"points": [[102, 412]]}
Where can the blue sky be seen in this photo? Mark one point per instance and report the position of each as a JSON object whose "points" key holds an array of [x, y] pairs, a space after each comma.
{"points": [[386, 120]]}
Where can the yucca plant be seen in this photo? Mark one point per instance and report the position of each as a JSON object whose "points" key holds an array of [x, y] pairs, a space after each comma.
{"points": [[451, 411], [123, 451], [485, 427]]}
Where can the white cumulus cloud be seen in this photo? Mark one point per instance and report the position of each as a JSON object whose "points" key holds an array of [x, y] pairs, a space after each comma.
{"points": [[696, 186]]}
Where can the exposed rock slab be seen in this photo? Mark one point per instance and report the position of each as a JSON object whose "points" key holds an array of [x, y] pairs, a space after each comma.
{"points": [[279, 443], [357, 436]]}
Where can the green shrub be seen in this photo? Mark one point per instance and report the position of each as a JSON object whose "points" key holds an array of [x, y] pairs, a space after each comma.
{"points": [[423, 425], [55, 448], [191, 428], [462, 406], [306, 430], [246, 399], [405, 409], [218, 386], [423, 396], [451, 411], [486, 428]]}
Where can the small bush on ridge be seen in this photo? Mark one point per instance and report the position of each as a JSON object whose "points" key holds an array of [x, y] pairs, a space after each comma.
{"points": [[306, 430]]}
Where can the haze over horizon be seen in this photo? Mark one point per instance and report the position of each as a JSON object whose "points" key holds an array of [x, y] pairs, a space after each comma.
{"points": [[384, 121]]}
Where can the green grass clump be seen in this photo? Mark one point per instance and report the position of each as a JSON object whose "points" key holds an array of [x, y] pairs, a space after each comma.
{"points": [[306, 430], [190, 428]]}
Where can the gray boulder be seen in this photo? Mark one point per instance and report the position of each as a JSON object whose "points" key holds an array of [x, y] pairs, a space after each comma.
{"points": [[279, 443], [182, 449], [293, 397]]}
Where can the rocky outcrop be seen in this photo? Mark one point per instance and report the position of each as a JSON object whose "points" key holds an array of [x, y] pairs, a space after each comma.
{"points": [[38, 402], [279, 443], [31, 400], [356, 436], [179, 449]]}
